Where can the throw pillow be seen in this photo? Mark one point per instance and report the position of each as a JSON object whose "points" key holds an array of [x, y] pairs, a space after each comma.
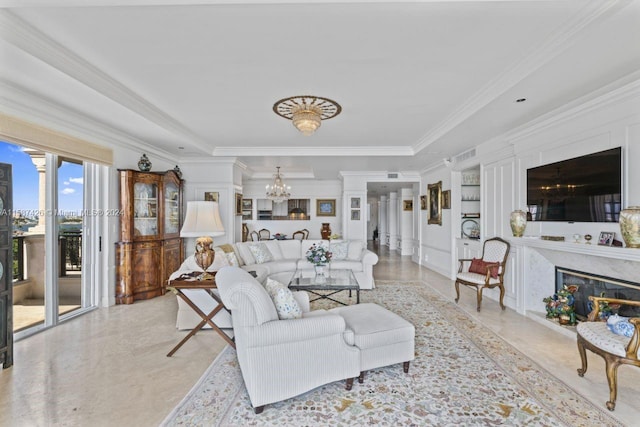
{"points": [[339, 250], [232, 258], [219, 261], [261, 253], [286, 305], [480, 267]]}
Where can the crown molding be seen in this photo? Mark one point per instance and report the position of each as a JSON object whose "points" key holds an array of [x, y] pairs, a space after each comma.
{"points": [[32, 41], [23, 103], [313, 151], [555, 44]]}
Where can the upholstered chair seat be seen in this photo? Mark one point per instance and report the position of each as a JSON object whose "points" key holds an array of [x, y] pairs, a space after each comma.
{"points": [[486, 272], [616, 349]]}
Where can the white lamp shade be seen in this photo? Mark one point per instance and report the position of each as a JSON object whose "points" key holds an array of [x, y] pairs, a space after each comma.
{"points": [[202, 219]]}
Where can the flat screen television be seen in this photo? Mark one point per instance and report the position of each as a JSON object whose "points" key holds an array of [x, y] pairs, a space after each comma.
{"points": [[582, 189]]}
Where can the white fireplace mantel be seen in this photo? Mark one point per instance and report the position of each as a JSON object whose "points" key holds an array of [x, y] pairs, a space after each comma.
{"points": [[615, 252], [534, 261]]}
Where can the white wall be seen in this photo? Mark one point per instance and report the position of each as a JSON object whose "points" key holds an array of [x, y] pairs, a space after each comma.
{"points": [[436, 241]]}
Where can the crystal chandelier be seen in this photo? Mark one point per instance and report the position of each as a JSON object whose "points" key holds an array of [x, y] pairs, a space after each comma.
{"points": [[307, 112], [278, 192]]}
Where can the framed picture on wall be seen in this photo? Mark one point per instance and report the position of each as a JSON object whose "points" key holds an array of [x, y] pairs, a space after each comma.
{"points": [[446, 199], [423, 202], [355, 203], [355, 214], [211, 196], [325, 207], [407, 205], [238, 204], [435, 203]]}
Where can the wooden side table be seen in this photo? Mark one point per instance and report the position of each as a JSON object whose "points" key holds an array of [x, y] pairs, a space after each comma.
{"points": [[189, 281]]}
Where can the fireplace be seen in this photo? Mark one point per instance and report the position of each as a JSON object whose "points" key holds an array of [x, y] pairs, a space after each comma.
{"points": [[593, 284]]}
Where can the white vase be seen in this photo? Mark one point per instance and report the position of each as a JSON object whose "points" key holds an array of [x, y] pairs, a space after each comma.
{"points": [[319, 269], [518, 222], [630, 226]]}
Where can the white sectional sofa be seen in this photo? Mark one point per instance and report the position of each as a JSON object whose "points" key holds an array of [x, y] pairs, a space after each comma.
{"points": [[289, 255], [282, 256]]}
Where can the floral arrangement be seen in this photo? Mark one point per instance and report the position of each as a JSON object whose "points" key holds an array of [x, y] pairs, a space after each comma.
{"points": [[318, 255], [561, 305]]}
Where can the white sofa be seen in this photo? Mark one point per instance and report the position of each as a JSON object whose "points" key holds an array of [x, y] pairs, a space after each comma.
{"points": [[287, 256]]}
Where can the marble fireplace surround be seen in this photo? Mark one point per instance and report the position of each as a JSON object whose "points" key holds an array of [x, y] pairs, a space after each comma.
{"points": [[536, 261]]}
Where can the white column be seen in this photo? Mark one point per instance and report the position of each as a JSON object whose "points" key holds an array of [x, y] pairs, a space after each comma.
{"points": [[382, 220], [406, 222], [393, 221], [40, 162]]}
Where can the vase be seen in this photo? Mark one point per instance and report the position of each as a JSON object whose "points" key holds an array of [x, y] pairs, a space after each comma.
{"points": [[518, 222], [325, 231], [144, 164], [630, 226], [319, 270]]}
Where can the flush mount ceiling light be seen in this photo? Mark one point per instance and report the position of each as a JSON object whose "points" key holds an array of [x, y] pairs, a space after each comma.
{"points": [[306, 111]]}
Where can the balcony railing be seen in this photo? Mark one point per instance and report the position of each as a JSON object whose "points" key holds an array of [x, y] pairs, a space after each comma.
{"points": [[70, 252], [70, 246]]}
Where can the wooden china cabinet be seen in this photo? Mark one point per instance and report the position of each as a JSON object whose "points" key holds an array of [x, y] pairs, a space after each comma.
{"points": [[150, 247]]}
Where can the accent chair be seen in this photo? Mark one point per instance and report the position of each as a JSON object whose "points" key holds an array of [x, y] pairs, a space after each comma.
{"points": [[486, 272], [280, 359], [615, 349]]}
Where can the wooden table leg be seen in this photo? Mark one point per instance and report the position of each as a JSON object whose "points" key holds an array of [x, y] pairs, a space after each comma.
{"points": [[206, 319]]}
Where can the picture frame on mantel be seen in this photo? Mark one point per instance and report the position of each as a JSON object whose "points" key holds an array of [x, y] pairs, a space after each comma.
{"points": [[435, 203], [606, 238]]}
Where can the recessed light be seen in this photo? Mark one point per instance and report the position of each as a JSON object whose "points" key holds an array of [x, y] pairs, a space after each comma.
{"points": [[521, 99]]}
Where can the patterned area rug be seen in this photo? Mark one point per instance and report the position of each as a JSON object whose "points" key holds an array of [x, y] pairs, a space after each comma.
{"points": [[463, 374]]}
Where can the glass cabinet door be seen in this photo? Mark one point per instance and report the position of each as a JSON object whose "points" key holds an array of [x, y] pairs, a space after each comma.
{"points": [[145, 214], [171, 208]]}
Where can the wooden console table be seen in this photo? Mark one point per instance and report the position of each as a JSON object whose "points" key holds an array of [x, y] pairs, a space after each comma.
{"points": [[189, 281]]}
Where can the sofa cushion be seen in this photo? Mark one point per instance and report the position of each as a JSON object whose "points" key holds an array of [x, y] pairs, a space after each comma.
{"points": [[286, 305], [347, 265], [230, 253], [290, 249], [260, 253], [355, 250], [274, 248], [339, 250], [245, 253]]}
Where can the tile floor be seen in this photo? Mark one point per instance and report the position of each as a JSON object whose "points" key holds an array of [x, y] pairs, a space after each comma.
{"points": [[109, 367]]}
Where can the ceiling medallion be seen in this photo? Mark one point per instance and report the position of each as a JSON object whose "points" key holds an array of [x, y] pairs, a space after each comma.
{"points": [[306, 111]]}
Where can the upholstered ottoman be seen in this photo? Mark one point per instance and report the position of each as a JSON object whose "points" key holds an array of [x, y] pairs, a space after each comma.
{"points": [[383, 337]]}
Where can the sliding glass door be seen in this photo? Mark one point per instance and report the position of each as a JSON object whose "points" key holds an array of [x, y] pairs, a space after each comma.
{"points": [[50, 222]]}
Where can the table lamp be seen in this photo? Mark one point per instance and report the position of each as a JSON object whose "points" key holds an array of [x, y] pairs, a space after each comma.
{"points": [[203, 221]]}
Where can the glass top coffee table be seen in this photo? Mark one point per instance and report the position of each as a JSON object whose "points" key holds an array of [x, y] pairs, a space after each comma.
{"points": [[331, 282]]}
